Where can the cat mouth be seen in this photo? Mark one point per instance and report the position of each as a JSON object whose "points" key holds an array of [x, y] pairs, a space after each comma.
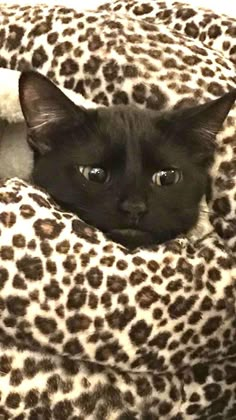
{"points": [[131, 238]]}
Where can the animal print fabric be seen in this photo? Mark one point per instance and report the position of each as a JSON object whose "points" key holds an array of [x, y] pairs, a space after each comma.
{"points": [[115, 55], [89, 330], [93, 325]]}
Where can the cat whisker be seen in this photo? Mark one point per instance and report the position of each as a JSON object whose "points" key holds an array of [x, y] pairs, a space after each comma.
{"points": [[86, 210], [207, 134], [206, 211]]}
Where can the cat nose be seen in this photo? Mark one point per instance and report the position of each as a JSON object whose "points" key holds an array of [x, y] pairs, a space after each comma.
{"points": [[135, 209]]}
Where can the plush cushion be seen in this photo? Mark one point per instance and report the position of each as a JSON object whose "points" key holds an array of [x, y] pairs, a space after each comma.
{"points": [[89, 329], [67, 291]]}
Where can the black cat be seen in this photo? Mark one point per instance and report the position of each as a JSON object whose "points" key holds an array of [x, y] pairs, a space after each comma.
{"points": [[137, 175]]}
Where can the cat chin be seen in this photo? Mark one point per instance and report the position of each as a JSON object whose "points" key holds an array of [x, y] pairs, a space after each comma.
{"points": [[132, 238]]}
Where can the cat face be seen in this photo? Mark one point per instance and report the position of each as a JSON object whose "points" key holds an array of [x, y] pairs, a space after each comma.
{"points": [[137, 175]]}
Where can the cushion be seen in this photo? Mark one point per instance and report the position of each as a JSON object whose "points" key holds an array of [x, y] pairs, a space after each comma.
{"points": [[89, 329]]}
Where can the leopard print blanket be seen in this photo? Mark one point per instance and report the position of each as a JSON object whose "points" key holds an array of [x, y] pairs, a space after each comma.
{"points": [[89, 330]]}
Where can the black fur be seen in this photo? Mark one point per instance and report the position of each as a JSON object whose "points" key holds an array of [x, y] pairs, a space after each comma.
{"points": [[131, 145]]}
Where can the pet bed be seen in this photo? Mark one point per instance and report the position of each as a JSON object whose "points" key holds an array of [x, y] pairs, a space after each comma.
{"points": [[89, 330]]}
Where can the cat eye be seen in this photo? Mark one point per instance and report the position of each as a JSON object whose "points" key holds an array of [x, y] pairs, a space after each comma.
{"points": [[167, 177], [94, 174]]}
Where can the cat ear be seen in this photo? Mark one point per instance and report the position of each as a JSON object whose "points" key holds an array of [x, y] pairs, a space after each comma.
{"points": [[208, 119], [45, 108]]}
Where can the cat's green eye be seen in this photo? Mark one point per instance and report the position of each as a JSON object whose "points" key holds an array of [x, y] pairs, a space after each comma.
{"points": [[94, 174], [167, 177]]}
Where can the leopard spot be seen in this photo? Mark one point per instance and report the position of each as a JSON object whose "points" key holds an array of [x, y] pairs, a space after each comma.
{"points": [[73, 347], [78, 323], [14, 37], [120, 97], [95, 43], [110, 71], [160, 340], [192, 30], [211, 325], [5, 365], [167, 272], [27, 211], [185, 268], [174, 285], [92, 301], [207, 253], [185, 13], [165, 408], [101, 98], [17, 305], [52, 38], [94, 277], [104, 352], [212, 391], [31, 267], [216, 89], [206, 304], [8, 219], [69, 84], [181, 306], [63, 410], [69, 263], [13, 400], [214, 274], [157, 100], [119, 319], [76, 298], [191, 60], [92, 65], [48, 228], [45, 325], [143, 386], [41, 201], [18, 282], [137, 277], [146, 297], [53, 291], [4, 275], [159, 383], [39, 57], [16, 377], [3, 62], [41, 28], [18, 241], [142, 9], [31, 398], [2, 37], [69, 67], [170, 63], [177, 358], [30, 367], [214, 31], [106, 300], [79, 87], [6, 253], [139, 332], [82, 230], [130, 71], [51, 267], [222, 206], [116, 284], [62, 48], [107, 261], [139, 93]]}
